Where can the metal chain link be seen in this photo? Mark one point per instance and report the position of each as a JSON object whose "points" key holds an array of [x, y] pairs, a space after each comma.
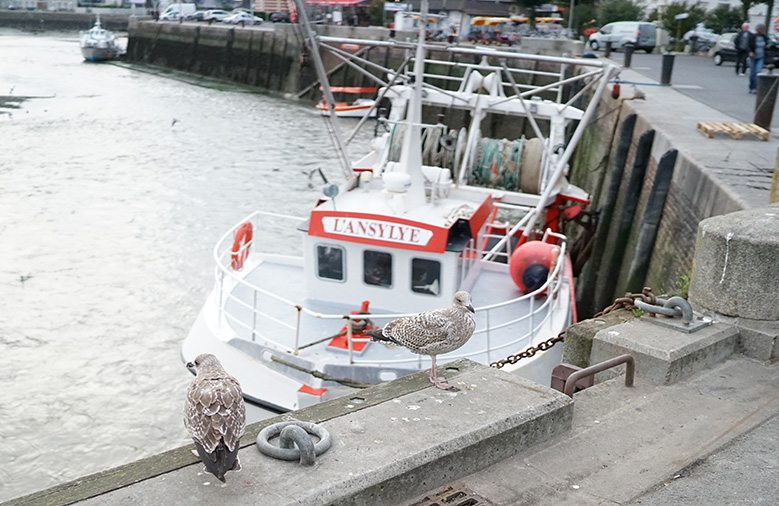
{"points": [[628, 300], [543, 346]]}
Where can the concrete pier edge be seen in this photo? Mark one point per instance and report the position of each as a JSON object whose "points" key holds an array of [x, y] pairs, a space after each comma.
{"points": [[156, 465]]}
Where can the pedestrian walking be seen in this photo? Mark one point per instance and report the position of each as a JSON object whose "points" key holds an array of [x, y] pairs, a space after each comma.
{"points": [[741, 42], [757, 46]]}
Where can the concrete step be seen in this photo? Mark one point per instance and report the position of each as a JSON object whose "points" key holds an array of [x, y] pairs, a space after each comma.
{"points": [[627, 442], [390, 443]]}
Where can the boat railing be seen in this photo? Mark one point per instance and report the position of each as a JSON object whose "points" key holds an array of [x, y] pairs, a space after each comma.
{"points": [[228, 280]]}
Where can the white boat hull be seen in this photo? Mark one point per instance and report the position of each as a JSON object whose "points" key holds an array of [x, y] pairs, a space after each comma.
{"points": [[100, 53]]}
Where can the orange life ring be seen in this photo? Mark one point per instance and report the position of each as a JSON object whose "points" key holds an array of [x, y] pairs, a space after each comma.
{"points": [[241, 243]]}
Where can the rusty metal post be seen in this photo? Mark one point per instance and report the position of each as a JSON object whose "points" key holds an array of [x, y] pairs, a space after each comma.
{"points": [[630, 372]]}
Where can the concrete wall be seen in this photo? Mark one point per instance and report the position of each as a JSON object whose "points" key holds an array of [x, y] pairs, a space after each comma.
{"points": [[693, 196], [272, 57], [37, 21]]}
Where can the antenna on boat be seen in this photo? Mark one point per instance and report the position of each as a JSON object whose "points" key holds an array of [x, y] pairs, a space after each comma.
{"points": [[313, 43]]}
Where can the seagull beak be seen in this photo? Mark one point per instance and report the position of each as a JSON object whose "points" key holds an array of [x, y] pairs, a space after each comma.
{"points": [[470, 308], [190, 366]]}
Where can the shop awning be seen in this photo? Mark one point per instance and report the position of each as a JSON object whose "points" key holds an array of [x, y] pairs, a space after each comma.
{"points": [[343, 3]]}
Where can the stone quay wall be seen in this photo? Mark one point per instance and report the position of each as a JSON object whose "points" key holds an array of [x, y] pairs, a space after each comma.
{"points": [[40, 21]]}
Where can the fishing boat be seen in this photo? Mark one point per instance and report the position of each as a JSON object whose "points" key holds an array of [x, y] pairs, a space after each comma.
{"points": [[99, 44], [432, 209], [354, 109]]}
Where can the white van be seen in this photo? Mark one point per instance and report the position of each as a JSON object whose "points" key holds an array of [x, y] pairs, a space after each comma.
{"points": [[642, 35], [180, 9]]}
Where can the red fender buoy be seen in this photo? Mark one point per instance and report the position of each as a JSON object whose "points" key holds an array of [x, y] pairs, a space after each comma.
{"points": [[531, 263], [241, 243]]}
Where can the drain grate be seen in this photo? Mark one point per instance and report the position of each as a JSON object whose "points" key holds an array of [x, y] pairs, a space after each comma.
{"points": [[453, 495]]}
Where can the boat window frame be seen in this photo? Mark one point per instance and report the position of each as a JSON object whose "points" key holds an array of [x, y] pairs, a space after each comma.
{"points": [[440, 271], [391, 268], [343, 262]]}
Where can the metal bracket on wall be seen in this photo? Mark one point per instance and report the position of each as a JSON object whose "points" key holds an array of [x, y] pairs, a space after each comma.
{"points": [[675, 313]]}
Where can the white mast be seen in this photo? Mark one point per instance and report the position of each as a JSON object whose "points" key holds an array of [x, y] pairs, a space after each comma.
{"points": [[411, 154]]}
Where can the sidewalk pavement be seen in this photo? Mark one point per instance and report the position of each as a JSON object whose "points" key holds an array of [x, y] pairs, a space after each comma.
{"points": [[744, 168], [708, 440]]}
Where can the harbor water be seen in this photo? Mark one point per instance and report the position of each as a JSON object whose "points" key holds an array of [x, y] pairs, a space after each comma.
{"points": [[115, 184]]}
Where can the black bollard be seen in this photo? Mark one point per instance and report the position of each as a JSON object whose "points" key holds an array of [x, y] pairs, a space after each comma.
{"points": [[668, 68], [767, 84], [608, 49], [629, 48]]}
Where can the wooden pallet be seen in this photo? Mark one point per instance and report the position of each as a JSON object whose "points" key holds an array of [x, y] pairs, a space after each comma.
{"points": [[735, 130]]}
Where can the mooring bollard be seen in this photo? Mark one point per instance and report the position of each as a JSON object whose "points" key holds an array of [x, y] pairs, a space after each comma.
{"points": [[668, 67], [608, 49], [767, 84], [628, 48]]}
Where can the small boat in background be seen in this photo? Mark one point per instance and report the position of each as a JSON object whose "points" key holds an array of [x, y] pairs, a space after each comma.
{"points": [[356, 109], [99, 44]]}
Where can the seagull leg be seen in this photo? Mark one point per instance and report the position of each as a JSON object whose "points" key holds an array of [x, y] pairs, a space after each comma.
{"points": [[435, 380]]}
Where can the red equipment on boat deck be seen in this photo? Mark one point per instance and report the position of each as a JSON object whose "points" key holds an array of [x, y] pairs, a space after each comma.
{"points": [[531, 264], [342, 341], [305, 389], [241, 243]]}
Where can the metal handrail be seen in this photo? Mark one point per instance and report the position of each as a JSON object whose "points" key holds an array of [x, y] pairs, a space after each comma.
{"points": [[224, 272], [630, 372]]}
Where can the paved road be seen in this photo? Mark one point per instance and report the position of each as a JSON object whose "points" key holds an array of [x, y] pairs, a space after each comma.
{"points": [[698, 78]]}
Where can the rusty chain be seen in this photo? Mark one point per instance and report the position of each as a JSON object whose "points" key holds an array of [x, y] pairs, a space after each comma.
{"points": [[513, 359], [628, 300]]}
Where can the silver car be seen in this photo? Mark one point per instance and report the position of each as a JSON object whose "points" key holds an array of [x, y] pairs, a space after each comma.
{"points": [[242, 18]]}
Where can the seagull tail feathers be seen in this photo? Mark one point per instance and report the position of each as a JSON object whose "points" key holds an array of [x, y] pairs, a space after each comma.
{"points": [[220, 460], [377, 335]]}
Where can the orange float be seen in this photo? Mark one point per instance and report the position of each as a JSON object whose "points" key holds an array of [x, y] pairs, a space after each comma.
{"points": [[241, 243]]}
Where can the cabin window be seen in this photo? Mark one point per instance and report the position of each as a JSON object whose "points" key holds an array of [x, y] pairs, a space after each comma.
{"points": [[330, 262], [426, 276], [377, 268]]}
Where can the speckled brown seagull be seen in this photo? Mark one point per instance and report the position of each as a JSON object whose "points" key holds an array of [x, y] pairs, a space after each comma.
{"points": [[215, 416], [432, 332]]}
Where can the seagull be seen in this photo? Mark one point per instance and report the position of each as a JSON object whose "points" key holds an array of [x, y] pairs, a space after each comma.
{"points": [[215, 416], [432, 332]]}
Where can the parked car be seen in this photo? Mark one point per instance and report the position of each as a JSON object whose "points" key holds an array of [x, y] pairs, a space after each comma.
{"points": [[706, 38], [195, 16], [170, 16], [279, 17], [215, 15], [725, 50], [242, 18], [641, 35]]}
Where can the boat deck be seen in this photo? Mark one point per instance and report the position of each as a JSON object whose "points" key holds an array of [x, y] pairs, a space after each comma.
{"points": [[274, 321]]}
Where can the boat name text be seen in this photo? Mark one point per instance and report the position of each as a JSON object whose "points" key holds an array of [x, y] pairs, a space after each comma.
{"points": [[378, 230]]}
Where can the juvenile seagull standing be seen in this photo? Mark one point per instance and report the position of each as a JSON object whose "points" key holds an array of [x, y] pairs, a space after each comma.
{"points": [[215, 416], [432, 332]]}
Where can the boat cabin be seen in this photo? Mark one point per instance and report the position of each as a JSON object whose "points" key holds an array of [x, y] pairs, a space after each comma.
{"points": [[403, 262]]}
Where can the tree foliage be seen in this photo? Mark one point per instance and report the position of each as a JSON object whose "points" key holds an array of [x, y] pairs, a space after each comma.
{"points": [[724, 18], [676, 27], [376, 12], [585, 15], [745, 6], [620, 10]]}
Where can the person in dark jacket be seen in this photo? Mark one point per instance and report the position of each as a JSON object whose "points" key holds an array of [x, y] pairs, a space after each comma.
{"points": [[758, 42], [741, 42]]}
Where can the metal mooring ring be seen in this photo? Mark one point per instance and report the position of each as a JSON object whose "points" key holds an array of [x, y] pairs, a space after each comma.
{"points": [[291, 434]]}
